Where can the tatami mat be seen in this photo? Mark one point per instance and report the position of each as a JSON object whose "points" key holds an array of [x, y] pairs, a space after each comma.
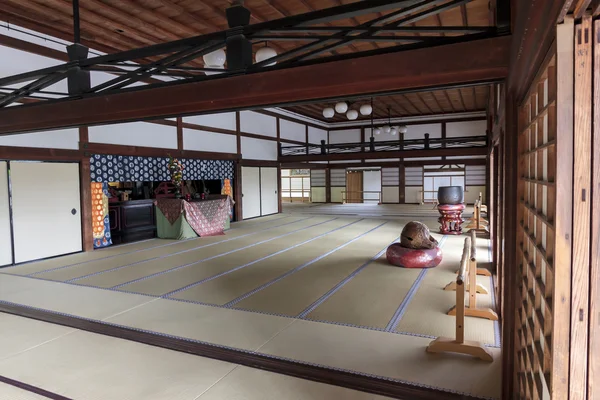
{"points": [[8, 392], [274, 278], [253, 384], [181, 278], [231, 286]]}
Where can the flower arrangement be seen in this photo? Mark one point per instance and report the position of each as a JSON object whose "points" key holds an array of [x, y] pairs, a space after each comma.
{"points": [[176, 170]]}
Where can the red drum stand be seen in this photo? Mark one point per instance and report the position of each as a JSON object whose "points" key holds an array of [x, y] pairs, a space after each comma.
{"points": [[451, 218]]}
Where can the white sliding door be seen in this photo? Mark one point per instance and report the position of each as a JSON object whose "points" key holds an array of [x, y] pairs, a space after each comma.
{"points": [[269, 198], [46, 209], [372, 184], [5, 239], [250, 192]]}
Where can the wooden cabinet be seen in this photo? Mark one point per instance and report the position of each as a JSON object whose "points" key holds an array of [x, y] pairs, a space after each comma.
{"points": [[132, 221]]}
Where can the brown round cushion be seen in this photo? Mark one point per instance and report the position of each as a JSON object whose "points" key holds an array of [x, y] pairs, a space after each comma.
{"points": [[413, 258]]}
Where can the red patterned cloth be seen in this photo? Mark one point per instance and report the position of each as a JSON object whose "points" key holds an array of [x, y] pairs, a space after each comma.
{"points": [[206, 217]]}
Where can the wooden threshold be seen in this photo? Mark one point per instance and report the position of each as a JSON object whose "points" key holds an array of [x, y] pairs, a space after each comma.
{"points": [[316, 373]]}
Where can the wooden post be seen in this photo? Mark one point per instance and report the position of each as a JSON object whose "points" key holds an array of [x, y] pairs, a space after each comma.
{"points": [[327, 185], [581, 209], [85, 183], [459, 344], [179, 133]]}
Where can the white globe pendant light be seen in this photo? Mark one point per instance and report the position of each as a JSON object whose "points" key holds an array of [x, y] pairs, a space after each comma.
{"points": [[215, 60], [341, 107], [328, 112], [264, 53], [377, 131], [394, 131], [366, 109], [403, 129], [352, 115], [386, 129]]}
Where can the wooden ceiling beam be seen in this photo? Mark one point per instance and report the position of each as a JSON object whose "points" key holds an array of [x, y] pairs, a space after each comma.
{"points": [[99, 32], [449, 100], [412, 104], [464, 15], [595, 7], [451, 152], [477, 61], [462, 100], [206, 25], [581, 7], [98, 22], [424, 103], [437, 103]]}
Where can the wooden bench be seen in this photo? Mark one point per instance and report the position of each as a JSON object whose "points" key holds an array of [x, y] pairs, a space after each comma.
{"points": [[459, 344], [479, 223]]}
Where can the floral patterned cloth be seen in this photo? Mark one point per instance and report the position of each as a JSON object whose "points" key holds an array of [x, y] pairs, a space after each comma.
{"points": [[206, 217]]}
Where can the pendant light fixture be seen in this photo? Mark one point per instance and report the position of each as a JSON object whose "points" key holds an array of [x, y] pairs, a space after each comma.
{"points": [[214, 60], [341, 107], [264, 53]]}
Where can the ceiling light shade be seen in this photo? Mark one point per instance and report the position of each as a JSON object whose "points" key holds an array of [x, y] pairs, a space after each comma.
{"points": [[386, 129], [264, 53], [341, 107], [328, 112], [377, 131], [215, 59], [366, 109], [403, 129], [352, 115], [394, 131]]}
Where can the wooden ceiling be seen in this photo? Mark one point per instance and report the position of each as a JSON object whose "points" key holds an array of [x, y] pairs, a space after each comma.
{"points": [[455, 100], [116, 25]]}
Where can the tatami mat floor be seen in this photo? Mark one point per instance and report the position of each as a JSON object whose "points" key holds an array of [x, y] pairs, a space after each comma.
{"points": [[270, 283], [81, 365]]}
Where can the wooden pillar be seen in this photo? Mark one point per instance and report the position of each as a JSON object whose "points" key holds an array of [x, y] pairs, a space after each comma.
{"points": [[327, 185], [279, 199], [510, 249], [581, 209], [85, 183], [594, 345], [179, 133], [237, 191], [401, 183]]}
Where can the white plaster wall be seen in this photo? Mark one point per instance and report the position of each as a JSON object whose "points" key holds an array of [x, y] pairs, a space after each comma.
{"points": [[209, 141], [258, 149], [419, 131], [58, 139], [318, 195], [260, 124], [468, 128], [390, 194], [222, 120], [345, 136], [412, 194], [472, 193], [371, 183], [135, 134], [292, 131], [315, 135]]}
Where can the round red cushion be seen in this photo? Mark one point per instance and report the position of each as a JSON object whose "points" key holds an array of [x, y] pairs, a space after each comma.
{"points": [[411, 258]]}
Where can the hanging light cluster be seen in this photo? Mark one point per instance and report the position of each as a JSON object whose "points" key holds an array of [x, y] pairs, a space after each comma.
{"points": [[343, 108], [389, 129]]}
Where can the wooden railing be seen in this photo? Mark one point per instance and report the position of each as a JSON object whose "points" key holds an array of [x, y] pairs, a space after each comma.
{"points": [[478, 223], [466, 276]]}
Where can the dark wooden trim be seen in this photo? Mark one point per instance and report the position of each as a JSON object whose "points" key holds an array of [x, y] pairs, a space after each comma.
{"points": [[469, 62], [179, 133], [259, 163], [33, 389], [444, 137], [205, 128], [165, 122], [38, 154], [103, 148], [457, 151], [279, 199], [388, 164], [402, 183], [369, 384], [288, 118], [33, 48], [238, 127], [85, 187], [425, 121], [237, 192]]}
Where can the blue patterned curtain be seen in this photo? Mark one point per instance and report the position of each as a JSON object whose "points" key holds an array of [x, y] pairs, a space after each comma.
{"points": [[109, 168]]}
